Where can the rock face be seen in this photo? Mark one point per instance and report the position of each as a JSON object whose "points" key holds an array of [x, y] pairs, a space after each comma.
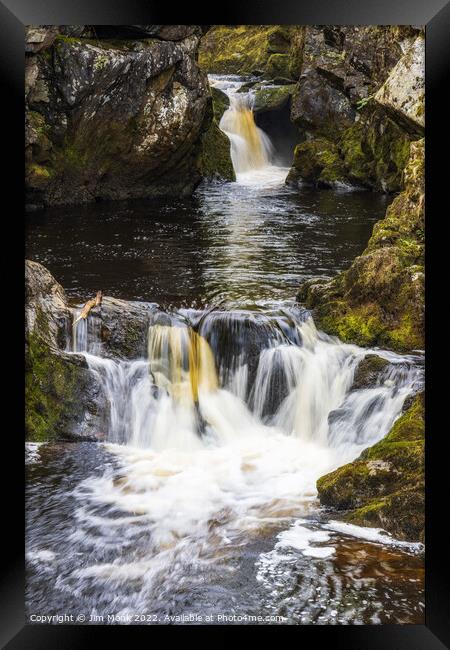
{"points": [[385, 486], [215, 160], [268, 50], [124, 327], [62, 399], [346, 101], [368, 371], [379, 300], [113, 119], [404, 90]]}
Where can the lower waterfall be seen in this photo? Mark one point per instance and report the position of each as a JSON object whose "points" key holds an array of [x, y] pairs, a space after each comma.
{"points": [[220, 436], [214, 377]]}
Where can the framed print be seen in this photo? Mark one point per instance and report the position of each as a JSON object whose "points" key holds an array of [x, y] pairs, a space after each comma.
{"points": [[223, 394]]}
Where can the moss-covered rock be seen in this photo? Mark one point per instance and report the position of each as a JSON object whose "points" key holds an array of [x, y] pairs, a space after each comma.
{"points": [[385, 485], [278, 65], [220, 103], [271, 50], [61, 397], [317, 162], [215, 159], [375, 150], [60, 394], [114, 119], [339, 98], [368, 371], [379, 300], [272, 98]]}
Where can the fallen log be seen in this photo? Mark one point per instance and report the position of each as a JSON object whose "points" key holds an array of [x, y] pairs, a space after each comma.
{"points": [[94, 302]]}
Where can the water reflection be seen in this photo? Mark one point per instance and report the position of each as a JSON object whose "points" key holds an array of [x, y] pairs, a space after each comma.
{"points": [[243, 243]]}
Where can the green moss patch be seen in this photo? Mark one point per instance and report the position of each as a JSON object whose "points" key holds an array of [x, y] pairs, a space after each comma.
{"points": [[385, 485]]}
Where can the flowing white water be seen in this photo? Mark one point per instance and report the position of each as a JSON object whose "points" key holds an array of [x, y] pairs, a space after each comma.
{"points": [[223, 433], [251, 149]]}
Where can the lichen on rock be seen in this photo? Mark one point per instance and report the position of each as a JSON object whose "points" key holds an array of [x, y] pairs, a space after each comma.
{"points": [[403, 93], [114, 119]]}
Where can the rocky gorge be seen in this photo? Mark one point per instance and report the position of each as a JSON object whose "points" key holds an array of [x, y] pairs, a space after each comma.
{"points": [[250, 201]]}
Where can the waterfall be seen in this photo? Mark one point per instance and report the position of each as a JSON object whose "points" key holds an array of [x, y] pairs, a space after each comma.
{"points": [[252, 151], [212, 378], [219, 436], [251, 148]]}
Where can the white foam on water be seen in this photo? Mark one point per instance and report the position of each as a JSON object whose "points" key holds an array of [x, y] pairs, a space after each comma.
{"points": [[377, 535], [40, 555], [32, 454], [301, 538]]}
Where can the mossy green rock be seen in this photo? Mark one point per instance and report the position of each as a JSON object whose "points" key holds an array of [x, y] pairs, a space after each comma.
{"points": [[60, 394], [272, 98], [57, 387], [271, 50], [379, 300], [375, 150], [278, 65], [220, 103], [215, 159], [317, 162], [368, 371], [384, 487]]}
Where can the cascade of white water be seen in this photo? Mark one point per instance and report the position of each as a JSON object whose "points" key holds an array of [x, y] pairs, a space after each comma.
{"points": [[241, 374], [86, 333], [251, 148], [221, 434]]}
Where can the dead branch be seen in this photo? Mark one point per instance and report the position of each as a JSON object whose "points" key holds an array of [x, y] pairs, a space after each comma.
{"points": [[94, 302]]}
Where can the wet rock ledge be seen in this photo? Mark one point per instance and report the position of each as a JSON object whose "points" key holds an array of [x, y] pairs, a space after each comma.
{"points": [[385, 486], [63, 399]]}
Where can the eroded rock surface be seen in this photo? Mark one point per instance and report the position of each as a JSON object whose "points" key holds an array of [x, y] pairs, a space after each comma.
{"points": [[113, 119]]}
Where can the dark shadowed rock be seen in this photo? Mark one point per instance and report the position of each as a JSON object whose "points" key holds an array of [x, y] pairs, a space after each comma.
{"points": [[114, 119], [368, 371], [124, 327]]}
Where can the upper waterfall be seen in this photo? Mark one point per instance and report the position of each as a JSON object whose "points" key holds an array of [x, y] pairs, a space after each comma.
{"points": [[252, 151], [251, 148]]}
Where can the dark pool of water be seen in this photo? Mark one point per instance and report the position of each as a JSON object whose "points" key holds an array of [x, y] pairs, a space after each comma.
{"points": [[234, 243]]}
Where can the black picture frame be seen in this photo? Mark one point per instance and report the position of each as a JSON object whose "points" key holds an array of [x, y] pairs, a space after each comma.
{"points": [[435, 15]]}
